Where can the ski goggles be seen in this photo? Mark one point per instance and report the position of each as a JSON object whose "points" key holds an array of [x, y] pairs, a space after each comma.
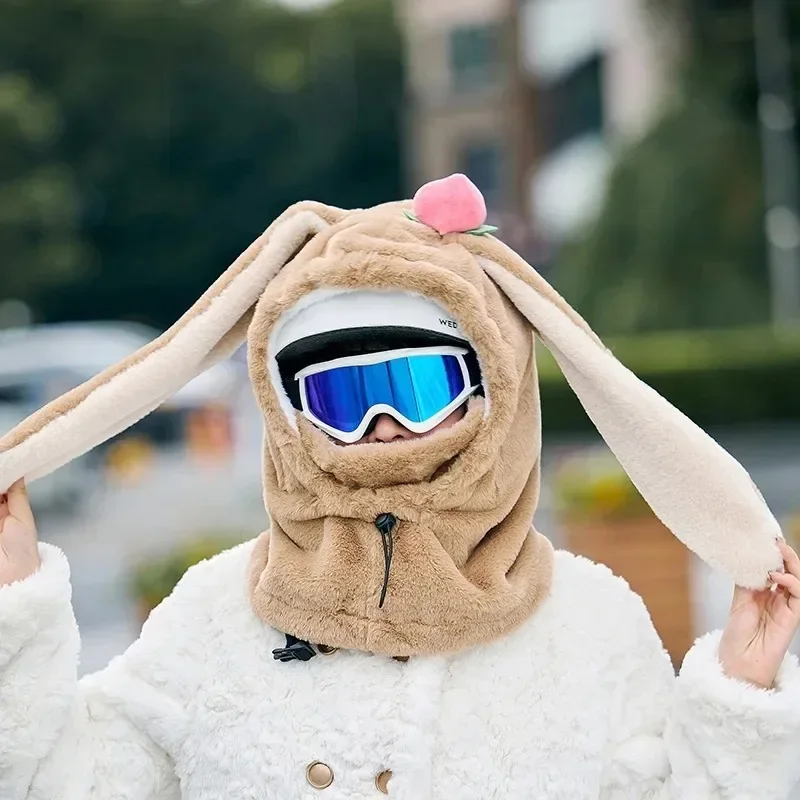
{"points": [[419, 387]]}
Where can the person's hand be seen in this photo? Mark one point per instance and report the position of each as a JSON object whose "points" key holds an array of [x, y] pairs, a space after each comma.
{"points": [[19, 552], [761, 626]]}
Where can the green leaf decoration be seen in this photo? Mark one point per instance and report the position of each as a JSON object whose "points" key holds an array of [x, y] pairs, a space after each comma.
{"points": [[483, 230]]}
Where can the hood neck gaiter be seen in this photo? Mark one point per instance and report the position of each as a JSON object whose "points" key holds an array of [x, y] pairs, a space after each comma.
{"points": [[416, 547]]}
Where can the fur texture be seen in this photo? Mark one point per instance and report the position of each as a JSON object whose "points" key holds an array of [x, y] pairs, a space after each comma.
{"points": [[450, 204], [121, 395], [580, 703], [699, 489], [468, 568]]}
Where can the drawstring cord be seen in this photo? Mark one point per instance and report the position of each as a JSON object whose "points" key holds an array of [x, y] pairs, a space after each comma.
{"points": [[385, 523], [300, 650]]}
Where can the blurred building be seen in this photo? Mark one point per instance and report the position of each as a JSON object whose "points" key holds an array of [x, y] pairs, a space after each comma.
{"points": [[530, 98], [460, 99], [595, 69]]}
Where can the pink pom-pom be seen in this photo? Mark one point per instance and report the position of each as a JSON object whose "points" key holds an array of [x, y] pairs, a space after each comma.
{"points": [[450, 204]]}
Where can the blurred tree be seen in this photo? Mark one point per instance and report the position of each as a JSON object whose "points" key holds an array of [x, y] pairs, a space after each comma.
{"points": [[38, 201], [188, 126], [679, 242]]}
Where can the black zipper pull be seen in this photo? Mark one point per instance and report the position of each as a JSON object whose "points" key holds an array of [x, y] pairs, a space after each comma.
{"points": [[385, 523], [295, 650]]}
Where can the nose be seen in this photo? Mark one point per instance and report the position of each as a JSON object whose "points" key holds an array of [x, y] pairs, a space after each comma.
{"points": [[388, 429]]}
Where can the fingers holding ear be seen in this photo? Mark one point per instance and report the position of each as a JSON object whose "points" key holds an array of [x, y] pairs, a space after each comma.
{"points": [[19, 552], [789, 580], [19, 506], [790, 559]]}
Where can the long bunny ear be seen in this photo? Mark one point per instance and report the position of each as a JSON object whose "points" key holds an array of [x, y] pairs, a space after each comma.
{"points": [[120, 396], [699, 491]]}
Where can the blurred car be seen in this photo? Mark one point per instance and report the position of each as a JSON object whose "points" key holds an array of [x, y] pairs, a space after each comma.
{"points": [[42, 362]]}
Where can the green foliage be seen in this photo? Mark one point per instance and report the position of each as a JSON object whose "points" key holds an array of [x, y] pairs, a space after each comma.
{"points": [[717, 378], [38, 202], [184, 128], [154, 579], [595, 487], [679, 242]]}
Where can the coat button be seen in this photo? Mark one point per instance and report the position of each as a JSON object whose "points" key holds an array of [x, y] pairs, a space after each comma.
{"points": [[326, 650], [382, 781], [319, 775]]}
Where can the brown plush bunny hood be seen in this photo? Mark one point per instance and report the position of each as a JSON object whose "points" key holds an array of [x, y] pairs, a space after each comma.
{"points": [[466, 565]]}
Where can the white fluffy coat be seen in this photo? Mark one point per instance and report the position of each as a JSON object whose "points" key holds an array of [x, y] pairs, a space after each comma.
{"points": [[579, 704]]}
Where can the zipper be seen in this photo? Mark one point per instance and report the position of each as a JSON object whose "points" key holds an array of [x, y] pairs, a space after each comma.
{"points": [[386, 524]]}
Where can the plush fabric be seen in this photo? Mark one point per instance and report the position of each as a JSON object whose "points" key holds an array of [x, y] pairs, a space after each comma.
{"points": [[449, 205], [699, 490], [467, 568], [579, 703], [121, 395]]}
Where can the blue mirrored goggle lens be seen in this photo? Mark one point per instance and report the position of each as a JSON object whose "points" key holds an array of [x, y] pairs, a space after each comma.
{"points": [[418, 387]]}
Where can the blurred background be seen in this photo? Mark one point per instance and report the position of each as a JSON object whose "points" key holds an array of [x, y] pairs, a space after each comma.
{"points": [[641, 153]]}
